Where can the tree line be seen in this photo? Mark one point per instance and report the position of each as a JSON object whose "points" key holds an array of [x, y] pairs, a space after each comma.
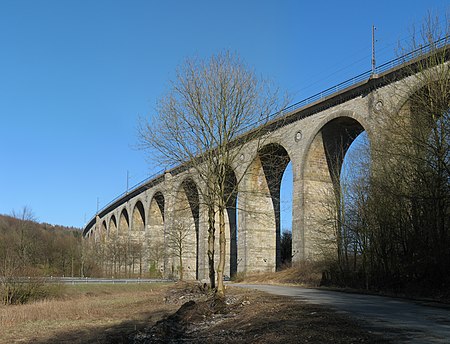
{"points": [[392, 215], [29, 248]]}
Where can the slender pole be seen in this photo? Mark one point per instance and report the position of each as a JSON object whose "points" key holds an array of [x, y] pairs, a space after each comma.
{"points": [[128, 178], [373, 50]]}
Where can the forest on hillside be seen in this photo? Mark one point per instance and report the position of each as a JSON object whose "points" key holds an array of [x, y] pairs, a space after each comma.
{"points": [[29, 248]]}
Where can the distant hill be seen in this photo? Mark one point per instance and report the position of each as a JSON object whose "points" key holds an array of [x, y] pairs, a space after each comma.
{"points": [[8, 220], [31, 248]]}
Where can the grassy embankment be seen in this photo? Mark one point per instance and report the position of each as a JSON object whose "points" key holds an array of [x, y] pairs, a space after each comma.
{"points": [[84, 309]]}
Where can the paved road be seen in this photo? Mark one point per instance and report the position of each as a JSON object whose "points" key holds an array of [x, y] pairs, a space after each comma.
{"points": [[400, 320]]}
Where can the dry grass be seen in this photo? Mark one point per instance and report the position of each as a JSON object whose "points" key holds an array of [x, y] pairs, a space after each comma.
{"points": [[307, 274], [83, 307]]}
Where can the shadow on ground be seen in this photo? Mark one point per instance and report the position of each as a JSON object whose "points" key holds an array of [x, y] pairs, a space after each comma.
{"points": [[120, 333]]}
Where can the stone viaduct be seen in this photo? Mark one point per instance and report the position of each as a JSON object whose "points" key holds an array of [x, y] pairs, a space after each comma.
{"points": [[309, 134]]}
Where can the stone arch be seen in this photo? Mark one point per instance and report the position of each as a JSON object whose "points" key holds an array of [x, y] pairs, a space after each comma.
{"points": [[351, 115], [321, 181], [94, 233], [124, 223], [138, 224], [260, 242], [412, 85], [103, 232], [184, 231], [420, 116], [112, 228], [155, 234], [113, 250], [156, 211], [135, 246]]}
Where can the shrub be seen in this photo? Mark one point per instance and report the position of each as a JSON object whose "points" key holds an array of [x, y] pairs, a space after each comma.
{"points": [[22, 290]]}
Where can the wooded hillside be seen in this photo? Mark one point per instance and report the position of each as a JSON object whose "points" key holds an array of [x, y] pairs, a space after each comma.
{"points": [[29, 248]]}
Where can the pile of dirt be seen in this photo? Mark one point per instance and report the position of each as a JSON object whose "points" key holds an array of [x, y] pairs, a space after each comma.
{"points": [[174, 328], [183, 292], [199, 305]]}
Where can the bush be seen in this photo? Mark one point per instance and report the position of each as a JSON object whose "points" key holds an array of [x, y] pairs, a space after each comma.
{"points": [[20, 290]]}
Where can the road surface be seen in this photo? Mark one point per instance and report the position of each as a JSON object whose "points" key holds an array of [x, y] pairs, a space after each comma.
{"points": [[399, 320]]}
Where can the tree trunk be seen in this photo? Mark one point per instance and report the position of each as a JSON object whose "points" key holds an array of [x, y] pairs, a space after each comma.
{"points": [[211, 241], [222, 250], [181, 266]]}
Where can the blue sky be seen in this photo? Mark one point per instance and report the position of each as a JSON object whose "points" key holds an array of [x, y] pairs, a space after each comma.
{"points": [[76, 75]]}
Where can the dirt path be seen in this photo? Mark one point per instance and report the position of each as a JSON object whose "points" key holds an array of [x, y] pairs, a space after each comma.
{"points": [[399, 320]]}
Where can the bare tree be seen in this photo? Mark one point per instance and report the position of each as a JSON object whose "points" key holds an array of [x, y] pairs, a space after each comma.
{"points": [[395, 220], [26, 243], [155, 256], [112, 253], [180, 245], [211, 102], [286, 248], [413, 167]]}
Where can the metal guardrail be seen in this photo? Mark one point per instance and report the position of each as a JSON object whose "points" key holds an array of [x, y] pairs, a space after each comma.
{"points": [[84, 280], [133, 188], [408, 57], [389, 65]]}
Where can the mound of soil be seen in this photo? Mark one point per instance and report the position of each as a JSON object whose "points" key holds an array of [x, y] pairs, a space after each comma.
{"points": [[201, 306]]}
